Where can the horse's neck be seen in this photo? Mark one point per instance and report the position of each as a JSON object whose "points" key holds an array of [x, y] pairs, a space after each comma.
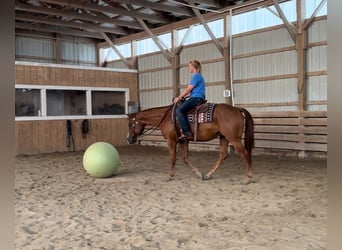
{"points": [[153, 116]]}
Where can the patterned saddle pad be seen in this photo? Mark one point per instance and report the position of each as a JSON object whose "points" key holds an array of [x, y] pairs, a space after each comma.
{"points": [[205, 113]]}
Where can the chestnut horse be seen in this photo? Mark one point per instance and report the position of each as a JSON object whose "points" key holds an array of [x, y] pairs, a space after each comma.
{"points": [[228, 123]]}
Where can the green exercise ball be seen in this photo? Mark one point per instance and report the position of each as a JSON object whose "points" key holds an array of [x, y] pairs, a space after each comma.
{"points": [[101, 160]]}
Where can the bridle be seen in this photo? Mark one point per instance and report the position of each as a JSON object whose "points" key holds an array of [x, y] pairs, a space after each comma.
{"points": [[151, 129]]}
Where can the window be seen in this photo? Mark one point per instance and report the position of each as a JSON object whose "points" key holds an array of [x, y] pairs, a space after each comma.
{"points": [[108, 103], [27, 102], [109, 54], [199, 34], [66, 102], [34, 102], [147, 45], [263, 17]]}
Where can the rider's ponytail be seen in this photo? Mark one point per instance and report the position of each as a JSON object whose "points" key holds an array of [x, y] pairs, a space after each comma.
{"points": [[197, 65]]}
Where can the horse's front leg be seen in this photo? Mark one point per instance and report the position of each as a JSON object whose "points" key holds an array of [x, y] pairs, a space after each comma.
{"points": [[185, 153], [173, 156]]}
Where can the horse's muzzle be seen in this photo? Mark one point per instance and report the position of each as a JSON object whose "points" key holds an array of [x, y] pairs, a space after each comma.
{"points": [[132, 139]]}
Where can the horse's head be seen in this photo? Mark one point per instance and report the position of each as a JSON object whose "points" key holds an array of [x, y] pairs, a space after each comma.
{"points": [[135, 128]]}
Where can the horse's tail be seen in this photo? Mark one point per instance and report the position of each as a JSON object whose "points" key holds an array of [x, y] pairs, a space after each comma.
{"points": [[249, 131]]}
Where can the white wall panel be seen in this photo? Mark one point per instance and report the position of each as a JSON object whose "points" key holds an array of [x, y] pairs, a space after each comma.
{"points": [[317, 107], [20, 58], [25, 46], [273, 39], [184, 75], [215, 94], [87, 52], [150, 99], [74, 52], [263, 92], [155, 79], [152, 61], [214, 72], [202, 52], [317, 31], [317, 58], [317, 88], [265, 65], [273, 108], [117, 64]]}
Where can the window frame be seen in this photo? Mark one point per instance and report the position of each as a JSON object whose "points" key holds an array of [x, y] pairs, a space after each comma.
{"points": [[88, 91]]}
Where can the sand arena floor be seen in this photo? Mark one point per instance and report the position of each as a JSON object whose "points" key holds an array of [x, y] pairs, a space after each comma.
{"points": [[59, 206]]}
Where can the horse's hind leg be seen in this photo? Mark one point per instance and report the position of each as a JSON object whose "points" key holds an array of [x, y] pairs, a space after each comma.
{"points": [[246, 157], [185, 152], [223, 155]]}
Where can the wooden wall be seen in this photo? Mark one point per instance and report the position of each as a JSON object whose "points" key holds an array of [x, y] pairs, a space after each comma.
{"points": [[47, 136], [291, 133], [76, 76], [36, 137]]}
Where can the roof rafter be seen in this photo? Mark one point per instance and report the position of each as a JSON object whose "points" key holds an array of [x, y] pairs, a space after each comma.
{"points": [[158, 6], [77, 25], [77, 15], [155, 39], [117, 51], [106, 9], [52, 29], [118, 21]]}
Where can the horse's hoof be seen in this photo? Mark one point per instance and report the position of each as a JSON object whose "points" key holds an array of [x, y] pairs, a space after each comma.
{"points": [[206, 177], [199, 174], [169, 179], [246, 182]]}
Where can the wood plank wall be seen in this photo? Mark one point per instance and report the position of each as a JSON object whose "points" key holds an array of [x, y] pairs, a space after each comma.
{"points": [[37, 137], [300, 133], [47, 136], [63, 76]]}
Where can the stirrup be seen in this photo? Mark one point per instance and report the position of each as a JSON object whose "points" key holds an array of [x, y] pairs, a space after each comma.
{"points": [[184, 137]]}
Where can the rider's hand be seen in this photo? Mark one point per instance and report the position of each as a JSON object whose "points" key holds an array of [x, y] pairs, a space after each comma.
{"points": [[176, 99]]}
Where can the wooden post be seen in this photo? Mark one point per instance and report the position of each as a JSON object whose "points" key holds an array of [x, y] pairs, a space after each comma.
{"points": [[58, 49], [227, 57], [175, 74], [301, 44], [134, 58], [175, 63]]}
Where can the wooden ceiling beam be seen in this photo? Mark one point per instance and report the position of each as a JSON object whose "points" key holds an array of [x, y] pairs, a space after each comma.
{"points": [[209, 3], [290, 28], [73, 14], [107, 9], [159, 6], [155, 39], [314, 14], [117, 51], [77, 25], [71, 32]]}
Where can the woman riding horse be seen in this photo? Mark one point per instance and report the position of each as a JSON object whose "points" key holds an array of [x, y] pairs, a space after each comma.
{"points": [[196, 93]]}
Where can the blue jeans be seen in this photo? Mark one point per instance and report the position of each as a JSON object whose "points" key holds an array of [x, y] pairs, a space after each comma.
{"points": [[182, 110]]}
